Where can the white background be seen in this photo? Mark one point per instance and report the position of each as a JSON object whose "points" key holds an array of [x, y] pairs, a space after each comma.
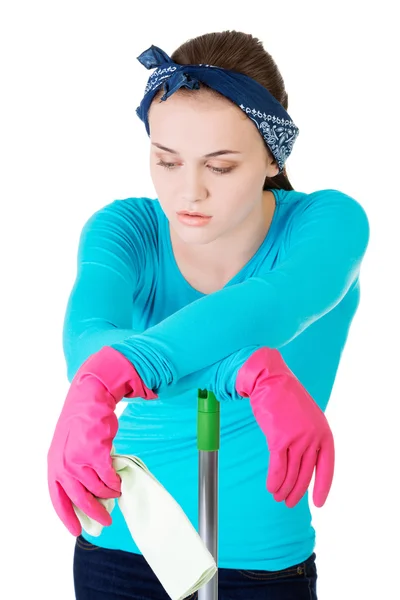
{"points": [[71, 143]]}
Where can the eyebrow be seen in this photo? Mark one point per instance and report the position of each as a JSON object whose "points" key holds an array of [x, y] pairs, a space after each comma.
{"points": [[210, 155]]}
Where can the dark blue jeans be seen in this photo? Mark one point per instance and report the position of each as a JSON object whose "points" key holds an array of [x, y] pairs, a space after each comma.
{"points": [[103, 574]]}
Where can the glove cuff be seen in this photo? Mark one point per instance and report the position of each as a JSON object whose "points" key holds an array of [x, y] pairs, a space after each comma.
{"points": [[263, 363], [117, 374]]}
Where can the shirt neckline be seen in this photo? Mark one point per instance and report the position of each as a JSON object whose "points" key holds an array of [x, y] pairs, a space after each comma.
{"points": [[240, 275]]}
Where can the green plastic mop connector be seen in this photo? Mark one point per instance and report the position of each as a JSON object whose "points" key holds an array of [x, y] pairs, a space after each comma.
{"points": [[208, 421]]}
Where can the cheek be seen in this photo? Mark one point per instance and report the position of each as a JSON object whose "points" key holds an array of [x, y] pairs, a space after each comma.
{"points": [[162, 181], [156, 172], [241, 193], [237, 207]]}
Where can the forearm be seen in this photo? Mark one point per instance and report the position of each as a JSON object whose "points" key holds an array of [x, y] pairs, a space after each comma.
{"points": [[178, 347], [320, 266], [79, 346], [219, 378]]}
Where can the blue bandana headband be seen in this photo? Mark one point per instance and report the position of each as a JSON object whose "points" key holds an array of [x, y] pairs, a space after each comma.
{"points": [[273, 122]]}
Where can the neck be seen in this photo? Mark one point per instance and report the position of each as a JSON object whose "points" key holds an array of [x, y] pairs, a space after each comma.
{"points": [[224, 257]]}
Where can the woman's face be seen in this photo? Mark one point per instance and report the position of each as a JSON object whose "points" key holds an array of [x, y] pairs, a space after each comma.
{"points": [[206, 157]]}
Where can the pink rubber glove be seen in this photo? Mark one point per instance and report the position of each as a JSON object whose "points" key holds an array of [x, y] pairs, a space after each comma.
{"points": [[298, 435], [79, 459]]}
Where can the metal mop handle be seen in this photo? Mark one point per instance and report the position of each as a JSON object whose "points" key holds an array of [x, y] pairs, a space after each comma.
{"points": [[208, 440]]}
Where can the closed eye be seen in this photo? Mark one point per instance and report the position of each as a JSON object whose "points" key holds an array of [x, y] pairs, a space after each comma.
{"points": [[220, 171]]}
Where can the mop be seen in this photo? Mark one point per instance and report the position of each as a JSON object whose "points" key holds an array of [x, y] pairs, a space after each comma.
{"points": [[208, 441], [184, 560]]}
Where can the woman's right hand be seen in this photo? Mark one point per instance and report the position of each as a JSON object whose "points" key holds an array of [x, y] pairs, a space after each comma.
{"points": [[79, 458]]}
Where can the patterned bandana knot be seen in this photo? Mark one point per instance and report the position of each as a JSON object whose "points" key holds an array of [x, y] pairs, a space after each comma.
{"points": [[270, 117]]}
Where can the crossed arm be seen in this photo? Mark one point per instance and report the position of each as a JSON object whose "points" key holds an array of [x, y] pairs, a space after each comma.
{"points": [[324, 249]]}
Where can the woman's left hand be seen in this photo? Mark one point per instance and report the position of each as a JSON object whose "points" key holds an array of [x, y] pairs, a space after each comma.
{"points": [[298, 434]]}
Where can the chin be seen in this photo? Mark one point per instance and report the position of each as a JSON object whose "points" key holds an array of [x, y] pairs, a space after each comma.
{"points": [[194, 238], [193, 235]]}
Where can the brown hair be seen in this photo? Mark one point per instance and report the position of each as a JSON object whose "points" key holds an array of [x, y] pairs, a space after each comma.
{"points": [[244, 53]]}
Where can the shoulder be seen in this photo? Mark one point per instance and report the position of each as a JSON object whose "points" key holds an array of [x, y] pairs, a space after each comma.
{"points": [[127, 212], [123, 236], [131, 219], [324, 208], [325, 222], [330, 202], [299, 201], [126, 229]]}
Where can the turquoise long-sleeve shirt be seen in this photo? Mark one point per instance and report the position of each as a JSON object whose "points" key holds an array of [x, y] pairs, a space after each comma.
{"points": [[298, 293]]}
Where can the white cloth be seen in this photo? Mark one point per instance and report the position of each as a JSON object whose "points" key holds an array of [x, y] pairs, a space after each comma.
{"points": [[160, 528]]}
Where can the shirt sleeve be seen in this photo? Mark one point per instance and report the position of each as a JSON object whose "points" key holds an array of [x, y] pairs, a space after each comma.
{"points": [[114, 247], [324, 247]]}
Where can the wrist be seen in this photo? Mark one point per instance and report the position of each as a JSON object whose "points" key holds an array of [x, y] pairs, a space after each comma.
{"points": [[116, 373], [263, 364]]}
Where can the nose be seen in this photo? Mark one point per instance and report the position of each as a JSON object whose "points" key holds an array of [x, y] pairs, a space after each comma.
{"points": [[193, 186]]}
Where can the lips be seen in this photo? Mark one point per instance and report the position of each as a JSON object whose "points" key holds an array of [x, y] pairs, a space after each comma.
{"points": [[192, 214], [193, 219]]}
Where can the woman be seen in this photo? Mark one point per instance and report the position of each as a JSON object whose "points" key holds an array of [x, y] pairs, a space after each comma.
{"points": [[230, 281]]}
